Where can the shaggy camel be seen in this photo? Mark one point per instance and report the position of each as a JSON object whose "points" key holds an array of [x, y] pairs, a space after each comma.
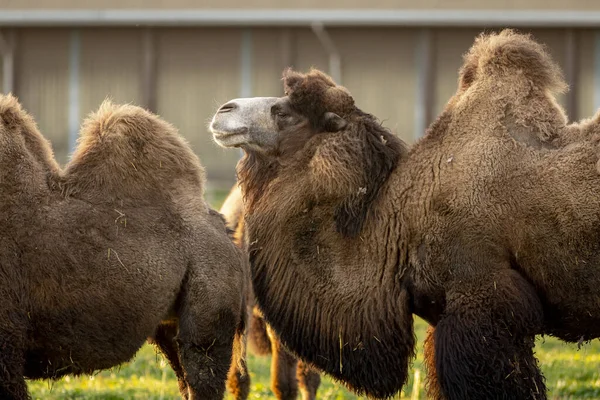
{"points": [[288, 374], [488, 227], [117, 248]]}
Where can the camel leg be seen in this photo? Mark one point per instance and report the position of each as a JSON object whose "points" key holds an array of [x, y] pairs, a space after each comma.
{"points": [[164, 340], [238, 379], [432, 386], [484, 342], [258, 336], [207, 326], [283, 370], [308, 381]]}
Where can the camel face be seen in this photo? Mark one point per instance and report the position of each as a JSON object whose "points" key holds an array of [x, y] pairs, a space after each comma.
{"points": [[251, 123], [267, 125]]}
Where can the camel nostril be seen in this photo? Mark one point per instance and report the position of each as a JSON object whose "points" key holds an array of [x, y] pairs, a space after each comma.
{"points": [[227, 107]]}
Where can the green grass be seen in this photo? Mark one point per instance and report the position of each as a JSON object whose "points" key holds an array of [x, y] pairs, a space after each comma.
{"points": [[570, 373]]}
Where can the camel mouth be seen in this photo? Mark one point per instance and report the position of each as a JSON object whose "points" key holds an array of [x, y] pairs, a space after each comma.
{"points": [[229, 137], [247, 123]]}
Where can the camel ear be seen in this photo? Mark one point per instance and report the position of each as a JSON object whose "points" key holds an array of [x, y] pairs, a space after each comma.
{"points": [[331, 122]]}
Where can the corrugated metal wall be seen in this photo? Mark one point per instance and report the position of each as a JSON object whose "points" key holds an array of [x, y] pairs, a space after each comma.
{"points": [[110, 67], [41, 70], [199, 69], [291, 4], [585, 83]]}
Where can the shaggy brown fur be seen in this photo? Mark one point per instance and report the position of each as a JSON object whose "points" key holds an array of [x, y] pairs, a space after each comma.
{"points": [[489, 228], [287, 373], [117, 248]]}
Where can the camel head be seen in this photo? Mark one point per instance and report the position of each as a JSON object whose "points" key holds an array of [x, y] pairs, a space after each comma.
{"points": [[269, 125], [316, 131]]}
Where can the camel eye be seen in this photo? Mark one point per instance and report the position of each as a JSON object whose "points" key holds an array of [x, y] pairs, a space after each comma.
{"points": [[281, 114]]}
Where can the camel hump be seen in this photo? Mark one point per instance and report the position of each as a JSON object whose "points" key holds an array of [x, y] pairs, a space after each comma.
{"points": [[23, 138], [507, 54], [125, 150], [11, 112]]}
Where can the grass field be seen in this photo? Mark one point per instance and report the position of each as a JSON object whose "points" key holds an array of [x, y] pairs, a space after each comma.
{"points": [[570, 373]]}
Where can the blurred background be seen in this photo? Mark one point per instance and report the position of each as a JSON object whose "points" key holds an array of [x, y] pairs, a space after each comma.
{"points": [[183, 58]]}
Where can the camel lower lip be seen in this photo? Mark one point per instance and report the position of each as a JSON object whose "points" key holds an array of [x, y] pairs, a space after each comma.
{"points": [[229, 139], [226, 135]]}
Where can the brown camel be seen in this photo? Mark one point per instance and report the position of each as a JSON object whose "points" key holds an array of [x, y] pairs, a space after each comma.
{"points": [[288, 374], [117, 248], [488, 227]]}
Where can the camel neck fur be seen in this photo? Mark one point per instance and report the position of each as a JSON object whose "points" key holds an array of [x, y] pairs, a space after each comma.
{"points": [[332, 291]]}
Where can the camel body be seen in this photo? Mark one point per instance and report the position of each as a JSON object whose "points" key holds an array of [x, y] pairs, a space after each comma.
{"points": [[487, 227], [117, 248]]}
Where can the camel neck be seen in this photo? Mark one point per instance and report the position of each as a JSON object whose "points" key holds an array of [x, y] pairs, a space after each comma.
{"points": [[335, 301]]}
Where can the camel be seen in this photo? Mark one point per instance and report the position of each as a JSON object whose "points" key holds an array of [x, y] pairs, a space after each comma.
{"points": [[118, 247], [288, 374], [487, 227]]}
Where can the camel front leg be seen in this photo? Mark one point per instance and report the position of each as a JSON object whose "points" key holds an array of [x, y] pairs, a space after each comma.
{"points": [[309, 381], [484, 341], [283, 370], [164, 340]]}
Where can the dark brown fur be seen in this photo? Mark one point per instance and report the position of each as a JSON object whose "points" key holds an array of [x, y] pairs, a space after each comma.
{"points": [[369, 330], [118, 248], [489, 228], [287, 373]]}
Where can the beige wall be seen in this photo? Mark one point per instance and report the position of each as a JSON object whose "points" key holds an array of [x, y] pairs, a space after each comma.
{"points": [[198, 69], [585, 84], [111, 65], [41, 82], [379, 68], [273, 50], [236, 4]]}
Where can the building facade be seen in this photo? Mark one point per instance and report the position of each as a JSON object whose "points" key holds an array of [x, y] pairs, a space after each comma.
{"points": [[183, 58]]}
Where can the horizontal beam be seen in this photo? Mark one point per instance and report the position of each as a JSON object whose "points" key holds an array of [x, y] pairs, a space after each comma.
{"points": [[301, 17]]}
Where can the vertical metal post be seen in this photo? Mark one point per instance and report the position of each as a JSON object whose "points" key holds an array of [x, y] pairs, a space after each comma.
{"points": [[597, 70], [7, 50], [246, 64], [149, 69], [74, 67], [425, 74], [335, 60], [572, 72]]}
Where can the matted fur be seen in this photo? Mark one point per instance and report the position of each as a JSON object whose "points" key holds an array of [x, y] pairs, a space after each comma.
{"points": [[376, 336], [489, 228], [287, 373], [113, 250]]}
